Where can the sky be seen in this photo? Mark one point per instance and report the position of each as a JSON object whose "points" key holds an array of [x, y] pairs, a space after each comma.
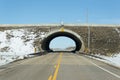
{"points": [[62, 42], [55, 11]]}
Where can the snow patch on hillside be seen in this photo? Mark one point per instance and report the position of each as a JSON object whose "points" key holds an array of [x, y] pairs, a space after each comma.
{"points": [[118, 31], [15, 44]]}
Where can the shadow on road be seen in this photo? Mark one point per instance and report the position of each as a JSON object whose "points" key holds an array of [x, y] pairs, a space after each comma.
{"points": [[44, 53]]}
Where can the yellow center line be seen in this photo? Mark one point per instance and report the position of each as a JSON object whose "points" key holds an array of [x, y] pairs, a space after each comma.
{"points": [[54, 77], [50, 77], [57, 67]]}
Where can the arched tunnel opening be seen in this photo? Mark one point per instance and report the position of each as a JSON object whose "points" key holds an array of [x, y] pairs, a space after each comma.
{"points": [[67, 33], [62, 43]]}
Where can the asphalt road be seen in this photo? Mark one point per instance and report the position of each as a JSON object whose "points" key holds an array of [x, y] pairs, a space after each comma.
{"points": [[59, 66]]}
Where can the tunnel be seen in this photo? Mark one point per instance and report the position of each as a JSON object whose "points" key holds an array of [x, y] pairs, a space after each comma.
{"points": [[62, 32]]}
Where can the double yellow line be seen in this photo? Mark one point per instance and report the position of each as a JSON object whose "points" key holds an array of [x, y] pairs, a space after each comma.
{"points": [[54, 77]]}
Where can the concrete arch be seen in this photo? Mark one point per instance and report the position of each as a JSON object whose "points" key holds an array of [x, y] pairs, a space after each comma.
{"points": [[63, 32]]}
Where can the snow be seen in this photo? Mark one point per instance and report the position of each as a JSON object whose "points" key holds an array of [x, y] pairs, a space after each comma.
{"points": [[18, 33], [113, 60], [6, 58], [2, 36], [18, 47], [118, 31], [42, 35]]}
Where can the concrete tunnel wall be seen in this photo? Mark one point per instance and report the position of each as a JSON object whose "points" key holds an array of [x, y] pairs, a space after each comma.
{"points": [[68, 33]]}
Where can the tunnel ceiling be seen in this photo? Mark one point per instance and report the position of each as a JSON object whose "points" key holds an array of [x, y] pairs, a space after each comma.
{"points": [[67, 33]]}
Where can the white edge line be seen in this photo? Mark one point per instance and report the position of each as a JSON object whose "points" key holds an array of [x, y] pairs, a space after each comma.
{"points": [[104, 69]]}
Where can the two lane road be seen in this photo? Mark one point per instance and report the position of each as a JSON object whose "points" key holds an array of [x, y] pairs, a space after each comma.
{"points": [[59, 66]]}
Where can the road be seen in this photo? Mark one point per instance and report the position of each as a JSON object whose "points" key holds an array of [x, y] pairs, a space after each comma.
{"points": [[59, 66]]}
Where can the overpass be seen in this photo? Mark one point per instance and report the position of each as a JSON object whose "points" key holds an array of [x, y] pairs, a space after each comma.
{"points": [[63, 32], [104, 38]]}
